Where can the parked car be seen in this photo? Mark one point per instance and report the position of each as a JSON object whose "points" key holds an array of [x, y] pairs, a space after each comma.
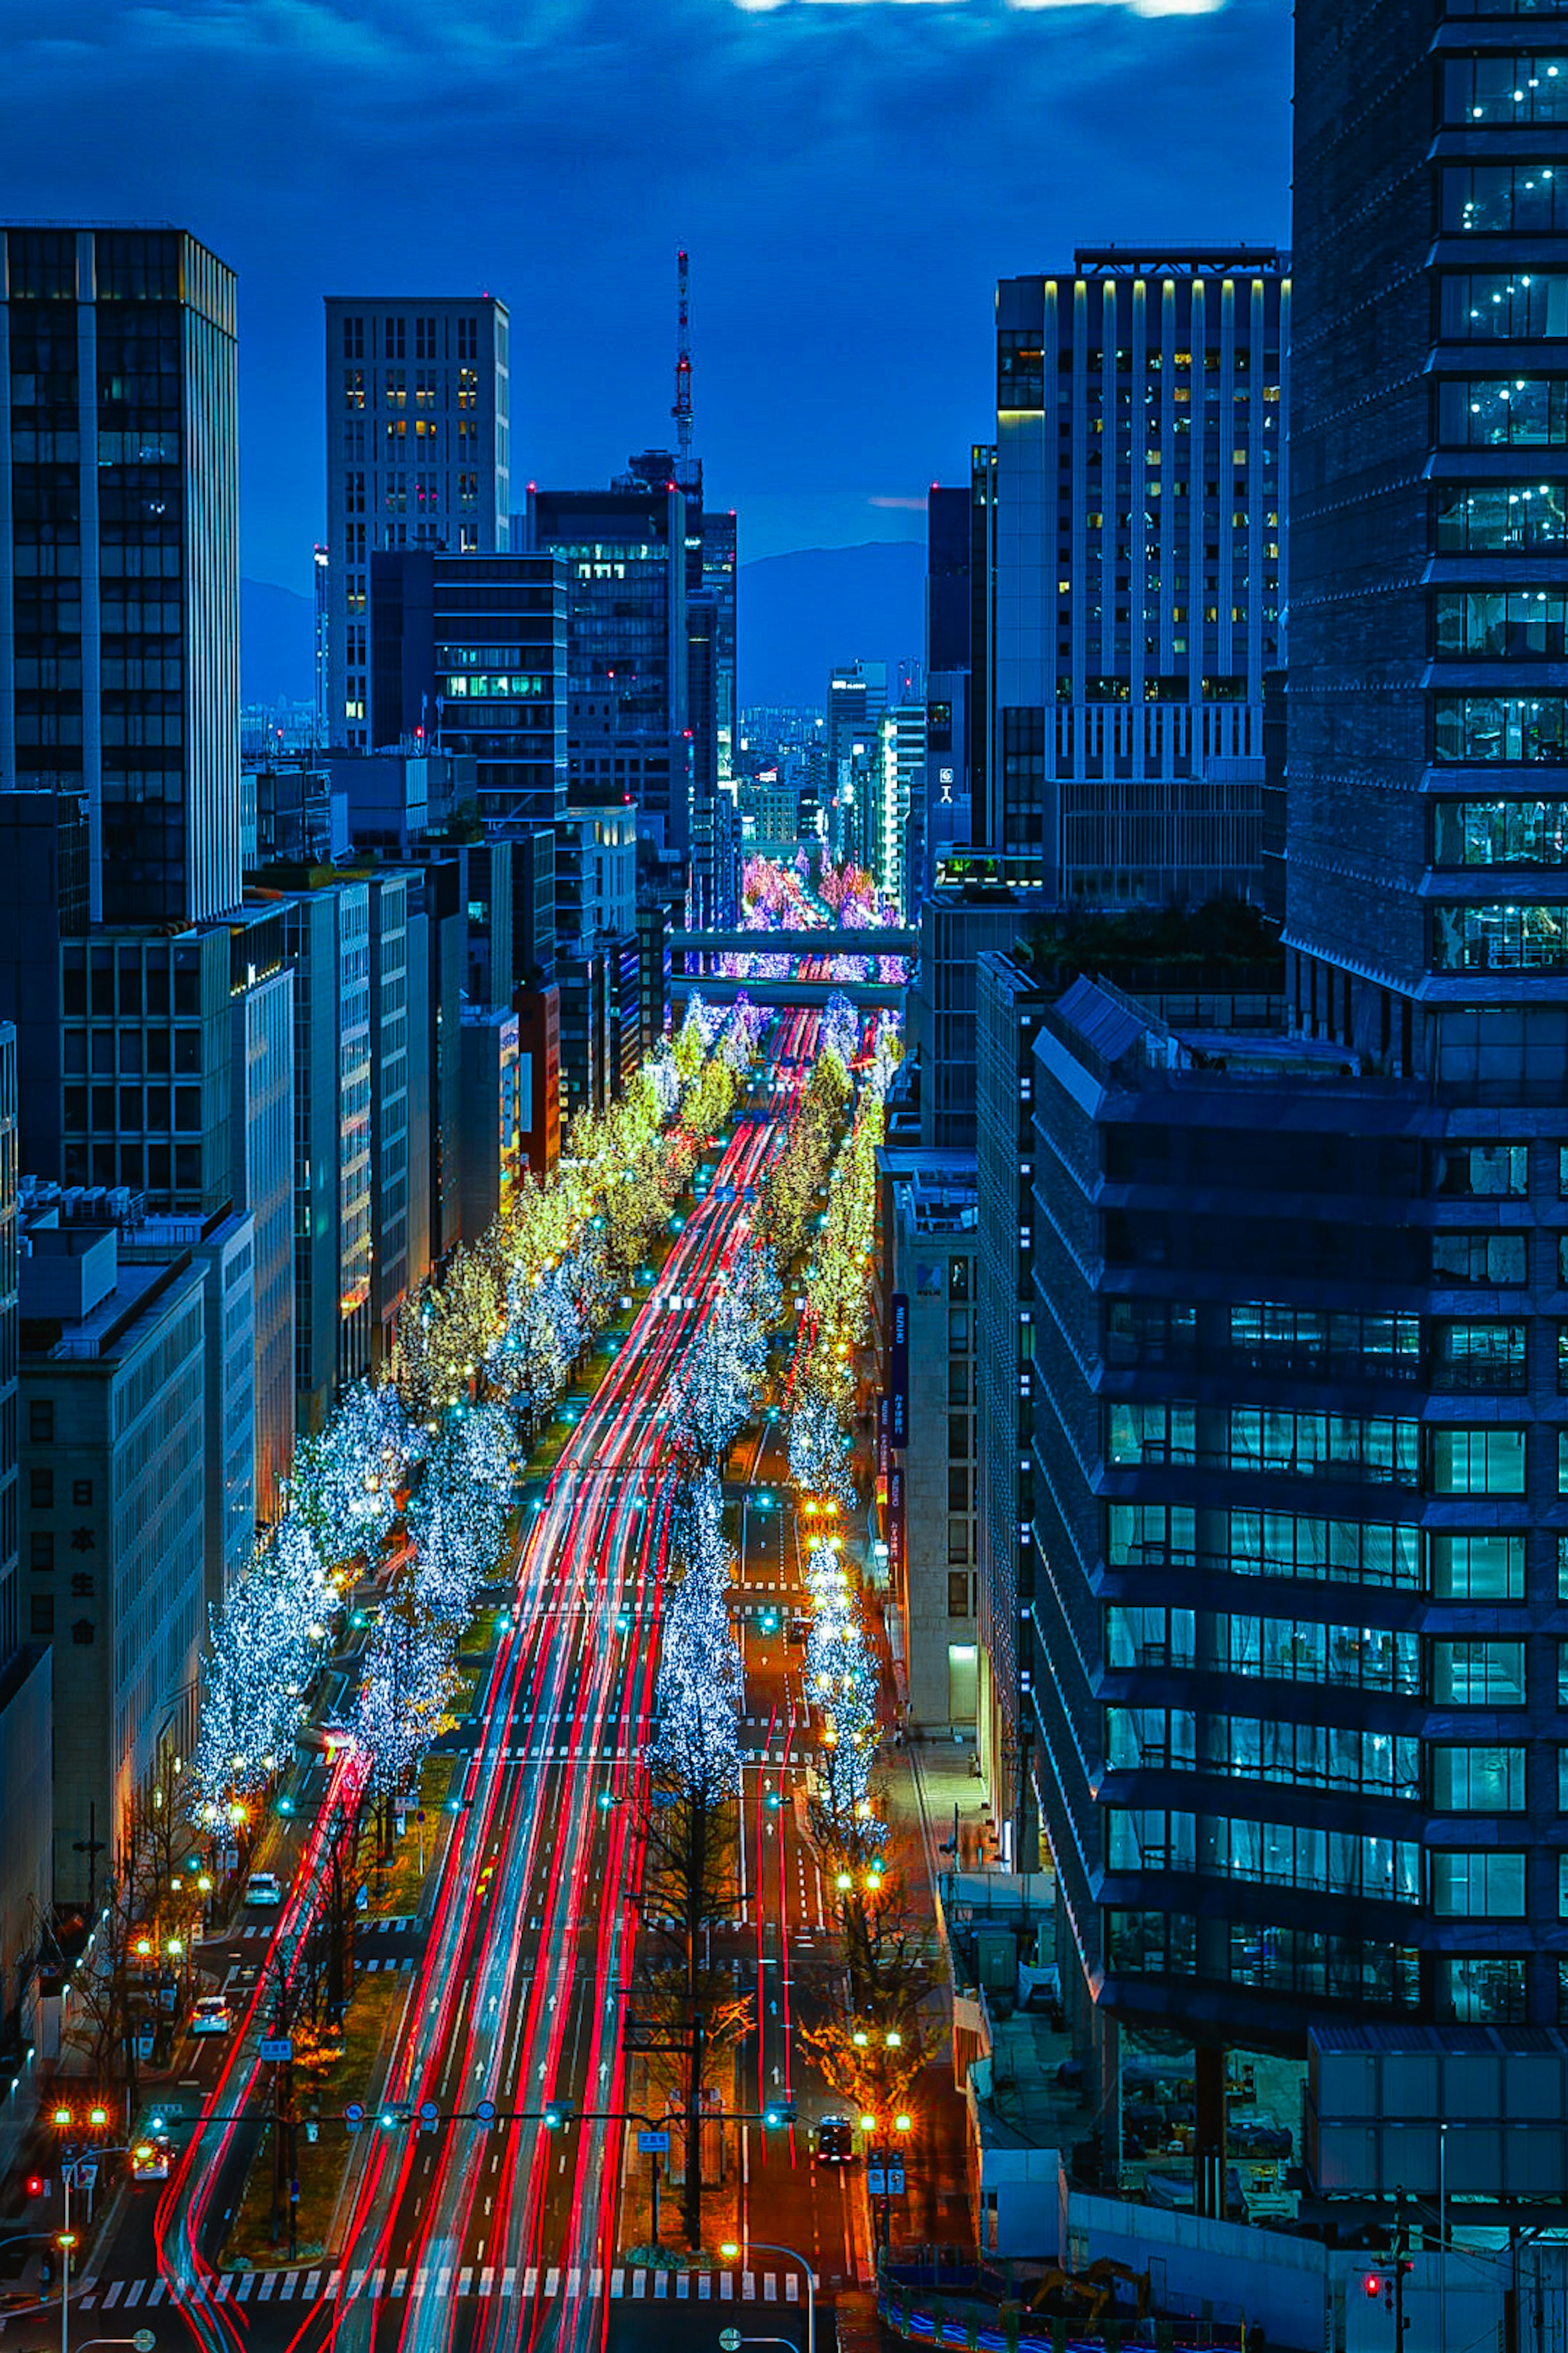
{"points": [[263, 1887], [210, 2015], [835, 2141]]}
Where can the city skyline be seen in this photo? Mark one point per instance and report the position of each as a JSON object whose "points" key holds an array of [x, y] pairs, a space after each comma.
{"points": [[958, 143]]}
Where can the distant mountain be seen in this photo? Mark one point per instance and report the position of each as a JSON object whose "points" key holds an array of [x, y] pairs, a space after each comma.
{"points": [[800, 614], [277, 644]]}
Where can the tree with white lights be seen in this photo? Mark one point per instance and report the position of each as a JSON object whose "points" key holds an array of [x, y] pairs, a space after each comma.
{"points": [[688, 1825], [266, 1641], [409, 1675]]}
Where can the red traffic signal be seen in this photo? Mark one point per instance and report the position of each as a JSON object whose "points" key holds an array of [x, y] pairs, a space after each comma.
{"points": [[1374, 2284], [37, 2185]]}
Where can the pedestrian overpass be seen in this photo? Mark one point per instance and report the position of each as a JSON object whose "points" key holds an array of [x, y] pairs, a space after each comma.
{"points": [[869, 996], [829, 940]]}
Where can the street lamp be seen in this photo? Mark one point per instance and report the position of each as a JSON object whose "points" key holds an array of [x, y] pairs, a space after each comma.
{"points": [[768, 2247]]}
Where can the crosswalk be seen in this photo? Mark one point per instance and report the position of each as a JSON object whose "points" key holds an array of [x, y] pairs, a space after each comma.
{"points": [[627, 2284], [369, 1924]]}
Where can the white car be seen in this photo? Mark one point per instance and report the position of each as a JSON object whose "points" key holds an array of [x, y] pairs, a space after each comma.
{"points": [[210, 2015], [262, 1887]]}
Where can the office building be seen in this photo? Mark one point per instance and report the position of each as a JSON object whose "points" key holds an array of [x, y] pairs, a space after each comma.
{"points": [[897, 827], [628, 655], [120, 558], [418, 456], [398, 991], [113, 1438], [261, 1183], [720, 568], [653, 928], [490, 1157], [389, 800], [958, 923], [710, 696], [147, 1047], [469, 655], [287, 811], [598, 965], [856, 698], [26, 1666], [44, 862], [437, 898], [329, 940], [701, 658], [10, 1609], [1297, 1376], [945, 803], [539, 1077], [223, 1250], [929, 1239], [1008, 1000], [1137, 535]]}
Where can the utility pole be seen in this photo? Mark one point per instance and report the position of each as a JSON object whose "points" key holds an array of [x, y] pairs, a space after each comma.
{"points": [[92, 1846], [691, 2187], [1401, 2266]]}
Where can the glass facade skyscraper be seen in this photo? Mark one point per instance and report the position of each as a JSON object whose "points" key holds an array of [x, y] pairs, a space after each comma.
{"points": [[1298, 1363], [120, 557], [1139, 498]]}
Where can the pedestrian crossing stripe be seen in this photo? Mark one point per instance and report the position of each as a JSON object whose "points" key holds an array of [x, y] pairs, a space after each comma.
{"points": [[628, 2284]]}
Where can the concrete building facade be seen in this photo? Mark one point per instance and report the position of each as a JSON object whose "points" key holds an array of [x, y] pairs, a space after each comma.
{"points": [[113, 1422], [419, 409], [1139, 534]]}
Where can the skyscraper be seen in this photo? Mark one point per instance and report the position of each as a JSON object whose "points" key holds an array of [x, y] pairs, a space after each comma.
{"points": [[418, 455], [627, 733], [1139, 493], [1297, 1369], [470, 651], [120, 557]]}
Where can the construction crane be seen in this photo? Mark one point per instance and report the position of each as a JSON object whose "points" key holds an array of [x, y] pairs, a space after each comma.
{"points": [[682, 411]]}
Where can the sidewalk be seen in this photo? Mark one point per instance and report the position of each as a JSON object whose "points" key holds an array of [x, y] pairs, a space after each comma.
{"points": [[921, 1786]]}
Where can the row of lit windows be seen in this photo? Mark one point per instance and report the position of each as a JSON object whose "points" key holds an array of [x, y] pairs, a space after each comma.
{"points": [[1281, 1854], [1317, 1548], [1462, 1672], [1465, 1883], [1498, 938], [1498, 624], [1488, 1354], [1492, 89], [1253, 1747], [1313, 1963]]}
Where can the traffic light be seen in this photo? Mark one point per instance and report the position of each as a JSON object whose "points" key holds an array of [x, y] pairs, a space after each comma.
{"points": [[1373, 2287], [37, 2186], [779, 2112]]}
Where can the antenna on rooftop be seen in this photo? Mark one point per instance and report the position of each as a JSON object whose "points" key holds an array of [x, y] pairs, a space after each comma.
{"points": [[681, 410]]}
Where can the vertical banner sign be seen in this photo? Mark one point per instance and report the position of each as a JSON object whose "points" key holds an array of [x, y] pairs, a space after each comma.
{"points": [[899, 1371], [898, 1344], [896, 1527], [884, 1427]]}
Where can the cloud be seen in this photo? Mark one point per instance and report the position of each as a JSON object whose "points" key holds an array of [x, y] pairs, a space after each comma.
{"points": [[850, 179]]}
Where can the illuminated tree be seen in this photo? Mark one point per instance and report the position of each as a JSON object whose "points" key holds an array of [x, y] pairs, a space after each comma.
{"points": [[690, 1821]]}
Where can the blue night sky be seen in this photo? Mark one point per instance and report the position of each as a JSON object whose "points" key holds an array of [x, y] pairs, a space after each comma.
{"points": [[850, 176]]}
